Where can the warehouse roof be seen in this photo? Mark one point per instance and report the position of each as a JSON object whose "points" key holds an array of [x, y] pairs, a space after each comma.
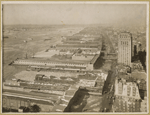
{"points": [[94, 59]]}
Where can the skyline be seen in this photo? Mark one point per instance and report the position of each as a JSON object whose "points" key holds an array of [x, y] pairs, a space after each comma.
{"points": [[64, 14]]}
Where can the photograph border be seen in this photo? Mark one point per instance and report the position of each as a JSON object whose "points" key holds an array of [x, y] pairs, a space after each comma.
{"points": [[86, 2]]}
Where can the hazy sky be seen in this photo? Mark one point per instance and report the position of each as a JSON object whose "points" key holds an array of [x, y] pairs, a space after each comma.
{"points": [[74, 14]]}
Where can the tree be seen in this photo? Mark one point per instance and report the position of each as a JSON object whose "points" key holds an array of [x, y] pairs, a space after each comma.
{"points": [[35, 108], [26, 109], [5, 109]]}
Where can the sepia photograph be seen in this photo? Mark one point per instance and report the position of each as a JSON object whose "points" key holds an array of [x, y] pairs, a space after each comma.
{"points": [[74, 57]]}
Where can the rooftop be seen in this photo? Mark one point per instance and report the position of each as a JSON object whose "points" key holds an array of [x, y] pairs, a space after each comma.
{"points": [[32, 95], [79, 45], [139, 75], [94, 59], [48, 54], [53, 60], [30, 75]]}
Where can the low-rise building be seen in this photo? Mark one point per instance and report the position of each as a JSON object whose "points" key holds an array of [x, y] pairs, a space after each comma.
{"points": [[61, 63], [14, 100]]}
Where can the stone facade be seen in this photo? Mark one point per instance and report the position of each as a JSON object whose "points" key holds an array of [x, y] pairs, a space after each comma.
{"points": [[125, 48]]}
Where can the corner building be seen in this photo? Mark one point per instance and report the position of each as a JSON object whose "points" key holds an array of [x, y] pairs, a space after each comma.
{"points": [[124, 48]]}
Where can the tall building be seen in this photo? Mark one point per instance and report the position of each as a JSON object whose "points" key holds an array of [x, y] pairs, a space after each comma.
{"points": [[126, 89], [144, 105], [125, 48]]}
